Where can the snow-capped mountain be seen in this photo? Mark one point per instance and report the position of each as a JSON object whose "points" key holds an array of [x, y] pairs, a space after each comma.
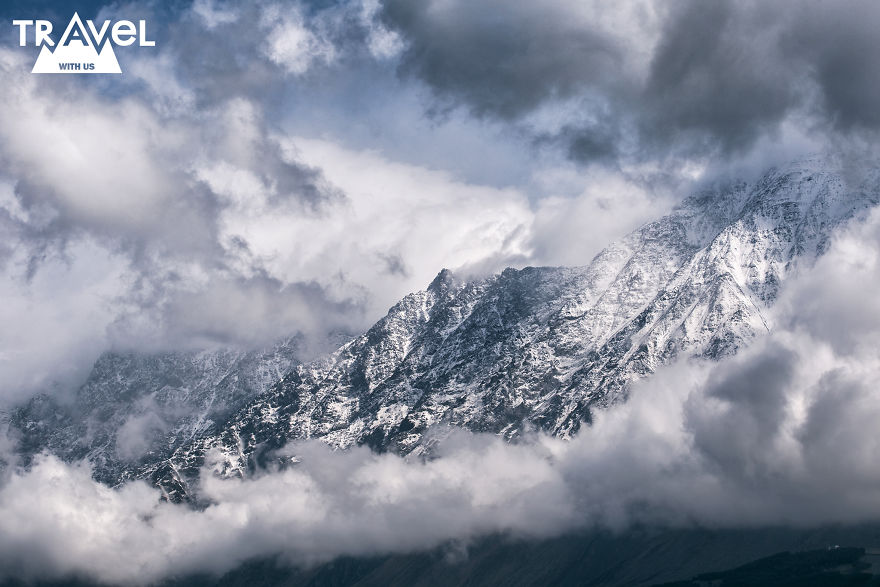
{"points": [[535, 348], [543, 347]]}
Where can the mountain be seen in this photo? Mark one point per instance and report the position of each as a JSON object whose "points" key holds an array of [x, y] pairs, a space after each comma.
{"points": [[542, 347], [137, 409], [767, 557], [535, 348]]}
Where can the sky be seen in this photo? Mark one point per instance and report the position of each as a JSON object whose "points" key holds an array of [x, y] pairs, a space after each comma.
{"points": [[275, 168], [279, 168]]}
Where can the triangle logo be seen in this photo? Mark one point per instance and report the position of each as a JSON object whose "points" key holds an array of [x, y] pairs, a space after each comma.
{"points": [[76, 52]]}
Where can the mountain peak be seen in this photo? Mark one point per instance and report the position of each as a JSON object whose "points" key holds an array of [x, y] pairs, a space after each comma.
{"points": [[444, 280]]}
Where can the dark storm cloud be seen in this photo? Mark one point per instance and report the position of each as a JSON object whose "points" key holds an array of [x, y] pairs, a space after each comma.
{"points": [[715, 77], [748, 399], [502, 58], [716, 74], [599, 142], [839, 43]]}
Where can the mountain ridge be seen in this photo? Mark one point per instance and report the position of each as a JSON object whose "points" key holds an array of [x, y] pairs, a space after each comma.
{"points": [[542, 347], [538, 348]]}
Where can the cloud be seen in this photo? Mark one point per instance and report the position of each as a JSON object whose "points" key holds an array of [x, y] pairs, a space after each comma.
{"points": [[290, 43], [572, 230], [833, 39], [50, 337], [423, 218], [213, 15], [358, 502], [711, 76], [777, 435], [93, 184], [833, 301], [139, 431], [650, 81], [505, 60]]}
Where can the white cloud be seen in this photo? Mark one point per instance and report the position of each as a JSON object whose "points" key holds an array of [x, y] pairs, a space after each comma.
{"points": [[96, 162], [571, 230], [54, 324], [382, 43], [213, 15], [292, 44], [59, 521], [398, 226]]}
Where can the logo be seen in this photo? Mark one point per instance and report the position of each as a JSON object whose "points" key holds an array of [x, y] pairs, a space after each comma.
{"points": [[82, 48]]}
